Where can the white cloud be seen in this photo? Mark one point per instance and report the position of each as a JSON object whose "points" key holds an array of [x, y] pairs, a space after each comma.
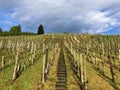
{"points": [[65, 15], [7, 22]]}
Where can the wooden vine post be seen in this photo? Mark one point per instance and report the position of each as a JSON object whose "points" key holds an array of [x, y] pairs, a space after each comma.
{"points": [[1, 44], [33, 53], [46, 63], [71, 47], [81, 70], [43, 76], [119, 56], [3, 62], [103, 62], [31, 56], [17, 66], [111, 66], [78, 62], [85, 74], [34, 50], [87, 52]]}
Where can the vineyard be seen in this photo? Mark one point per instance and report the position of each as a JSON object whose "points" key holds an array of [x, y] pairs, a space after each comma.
{"points": [[60, 62]]}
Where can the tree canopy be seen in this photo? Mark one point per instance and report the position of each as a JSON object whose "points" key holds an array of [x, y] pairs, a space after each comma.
{"points": [[1, 30], [40, 29], [15, 30]]}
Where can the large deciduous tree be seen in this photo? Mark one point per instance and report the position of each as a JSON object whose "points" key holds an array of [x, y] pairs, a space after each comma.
{"points": [[15, 30]]}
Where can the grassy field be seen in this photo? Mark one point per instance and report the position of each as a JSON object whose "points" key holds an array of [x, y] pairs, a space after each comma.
{"points": [[92, 61]]}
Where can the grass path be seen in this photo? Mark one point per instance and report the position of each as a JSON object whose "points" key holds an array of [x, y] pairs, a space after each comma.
{"points": [[95, 82], [72, 83], [52, 76]]}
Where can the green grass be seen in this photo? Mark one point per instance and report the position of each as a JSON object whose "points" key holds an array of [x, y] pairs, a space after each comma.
{"points": [[27, 80], [30, 79], [52, 77], [6, 77], [72, 80]]}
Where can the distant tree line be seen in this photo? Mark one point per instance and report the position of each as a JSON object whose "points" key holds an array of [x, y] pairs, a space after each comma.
{"points": [[16, 30]]}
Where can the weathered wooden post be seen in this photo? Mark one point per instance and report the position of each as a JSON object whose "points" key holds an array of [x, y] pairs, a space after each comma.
{"points": [[85, 74], [119, 56], [81, 70], [111, 66], [71, 47], [93, 58], [34, 50], [43, 76], [3, 62], [78, 62], [87, 51], [32, 47], [1, 44], [73, 53], [46, 62], [103, 62], [16, 66]]}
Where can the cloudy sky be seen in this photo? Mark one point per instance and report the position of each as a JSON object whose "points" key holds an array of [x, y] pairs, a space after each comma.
{"points": [[75, 16]]}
